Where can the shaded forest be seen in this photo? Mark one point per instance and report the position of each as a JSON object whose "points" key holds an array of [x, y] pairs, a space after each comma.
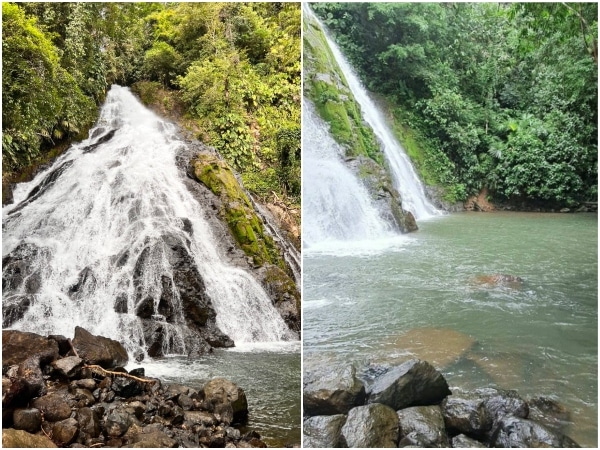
{"points": [[232, 70], [502, 96]]}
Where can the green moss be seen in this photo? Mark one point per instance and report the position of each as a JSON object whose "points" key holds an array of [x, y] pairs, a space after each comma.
{"points": [[237, 211], [327, 87]]}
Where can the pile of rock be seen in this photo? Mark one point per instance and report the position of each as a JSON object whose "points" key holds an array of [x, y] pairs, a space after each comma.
{"points": [[410, 405], [76, 394]]}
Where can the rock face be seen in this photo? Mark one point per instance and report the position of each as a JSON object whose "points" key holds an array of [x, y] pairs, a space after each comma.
{"points": [[324, 431], [99, 350], [369, 426], [332, 392], [413, 383]]}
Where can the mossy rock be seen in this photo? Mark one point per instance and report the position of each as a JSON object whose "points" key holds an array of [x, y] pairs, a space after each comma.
{"points": [[237, 210], [282, 289], [327, 87]]}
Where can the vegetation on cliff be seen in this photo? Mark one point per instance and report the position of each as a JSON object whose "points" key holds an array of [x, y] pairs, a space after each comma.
{"points": [[231, 69], [496, 95]]}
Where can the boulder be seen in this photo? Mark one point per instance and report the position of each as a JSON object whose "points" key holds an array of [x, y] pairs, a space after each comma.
{"points": [[154, 439], [54, 406], [126, 387], [18, 346], [413, 383], [65, 431], [518, 432], [465, 413], [462, 441], [68, 367], [99, 350], [422, 426], [373, 425], [22, 439], [200, 417], [500, 403], [88, 421], [334, 391], [323, 431], [28, 419], [220, 391]]}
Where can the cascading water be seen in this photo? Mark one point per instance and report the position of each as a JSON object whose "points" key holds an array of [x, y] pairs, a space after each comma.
{"points": [[109, 227], [336, 206], [406, 180]]}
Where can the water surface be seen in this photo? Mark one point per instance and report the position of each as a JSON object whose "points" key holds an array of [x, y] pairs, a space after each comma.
{"points": [[372, 303]]}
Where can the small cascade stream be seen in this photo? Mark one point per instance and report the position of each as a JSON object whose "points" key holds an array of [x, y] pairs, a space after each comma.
{"points": [[406, 180], [110, 230]]}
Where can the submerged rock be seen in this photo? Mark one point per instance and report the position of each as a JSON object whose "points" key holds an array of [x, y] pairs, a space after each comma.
{"points": [[334, 391]]}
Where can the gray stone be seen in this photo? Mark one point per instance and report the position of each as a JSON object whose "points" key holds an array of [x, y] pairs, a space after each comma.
{"points": [[516, 432], [373, 425], [323, 431], [466, 413], [200, 417], [462, 441], [413, 383], [334, 391], [422, 426]]}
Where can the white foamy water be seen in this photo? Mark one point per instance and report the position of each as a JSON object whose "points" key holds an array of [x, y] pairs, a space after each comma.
{"points": [[102, 208], [405, 178]]}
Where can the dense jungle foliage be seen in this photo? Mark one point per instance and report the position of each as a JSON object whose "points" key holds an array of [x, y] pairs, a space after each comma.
{"points": [[235, 68], [486, 94]]}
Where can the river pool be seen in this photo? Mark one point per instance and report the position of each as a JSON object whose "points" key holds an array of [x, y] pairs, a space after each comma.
{"points": [[425, 295]]}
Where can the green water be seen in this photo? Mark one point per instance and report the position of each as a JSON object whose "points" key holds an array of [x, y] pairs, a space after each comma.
{"points": [[538, 337]]}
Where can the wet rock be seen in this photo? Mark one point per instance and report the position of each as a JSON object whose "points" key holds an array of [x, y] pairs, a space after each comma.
{"points": [[84, 383], [88, 422], [200, 417], [22, 439], [422, 426], [323, 431], [154, 439], [86, 284], [518, 432], [373, 425], [117, 423], [464, 413], [18, 346], [413, 383], [99, 350], [462, 441], [64, 346], [28, 419], [220, 391], [139, 372], [65, 431], [332, 392], [126, 387], [84, 397], [54, 406], [68, 367], [550, 413], [500, 403], [14, 308]]}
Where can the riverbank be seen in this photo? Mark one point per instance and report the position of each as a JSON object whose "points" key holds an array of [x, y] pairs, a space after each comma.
{"points": [[412, 405], [62, 393]]}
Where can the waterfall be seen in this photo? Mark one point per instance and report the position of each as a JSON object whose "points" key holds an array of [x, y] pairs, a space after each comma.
{"points": [[405, 178], [111, 226], [336, 206]]}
